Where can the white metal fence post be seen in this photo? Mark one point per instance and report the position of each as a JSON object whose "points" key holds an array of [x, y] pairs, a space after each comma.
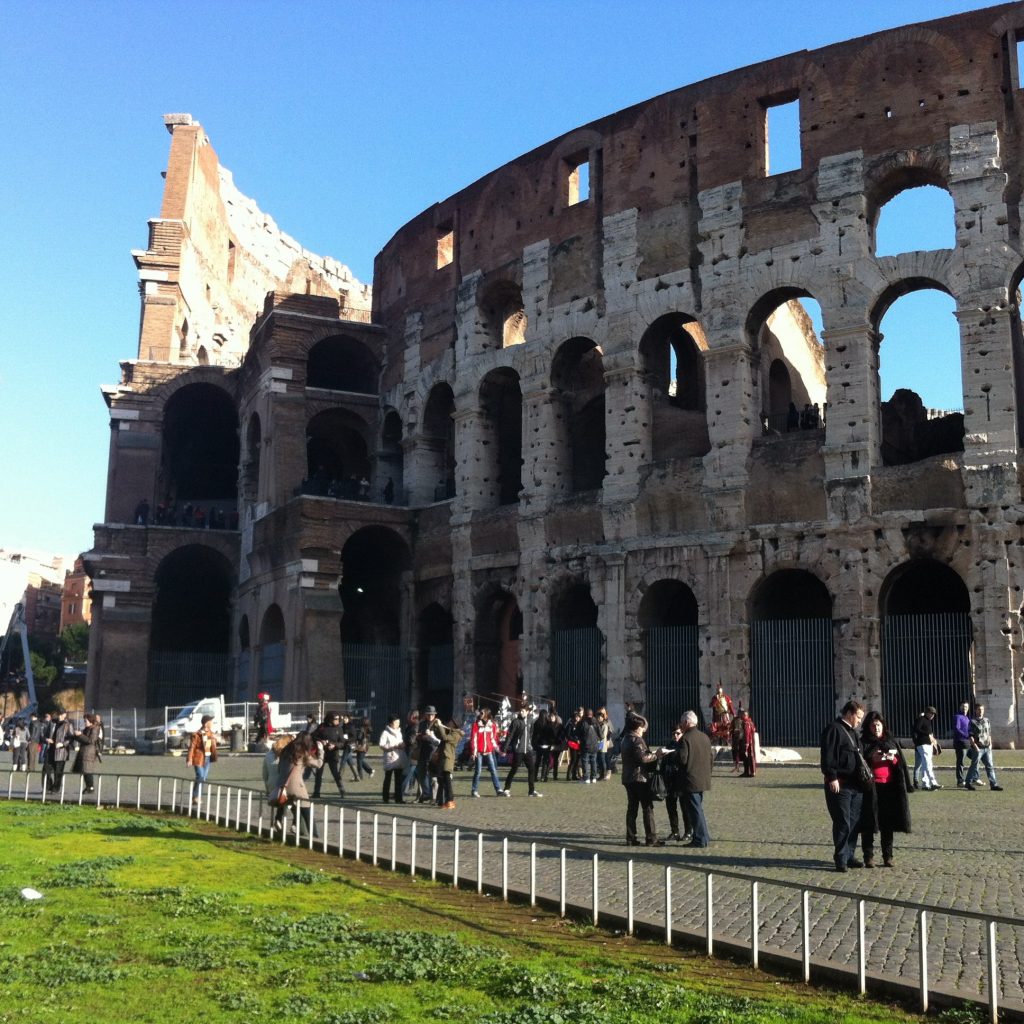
{"points": [[922, 937], [709, 913], [595, 898], [533, 874], [629, 896], [993, 977], [862, 953], [561, 882], [412, 851], [480, 862], [455, 861], [805, 932], [755, 924], [668, 905], [504, 868]]}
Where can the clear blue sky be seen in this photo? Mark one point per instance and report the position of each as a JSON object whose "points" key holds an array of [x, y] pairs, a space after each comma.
{"points": [[341, 120]]}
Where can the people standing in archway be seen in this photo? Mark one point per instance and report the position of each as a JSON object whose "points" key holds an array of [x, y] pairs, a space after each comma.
{"points": [[721, 716], [840, 765]]}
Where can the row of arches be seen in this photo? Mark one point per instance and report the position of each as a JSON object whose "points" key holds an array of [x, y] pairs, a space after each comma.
{"points": [[923, 611]]}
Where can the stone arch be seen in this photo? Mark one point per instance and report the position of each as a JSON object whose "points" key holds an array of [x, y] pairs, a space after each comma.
{"points": [[577, 375], [199, 450], [337, 454], [496, 643], [342, 363], [910, 432], [783, 337], [668, 617], [671, 354], [501, 406], [374, 560], [502, 313], [792, 674], [190, 626], [392, 459], [927, 643], [272, 652], [437, 441]]}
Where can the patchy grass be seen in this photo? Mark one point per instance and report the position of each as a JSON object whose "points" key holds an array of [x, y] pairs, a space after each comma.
{"points": [[149, 919]]}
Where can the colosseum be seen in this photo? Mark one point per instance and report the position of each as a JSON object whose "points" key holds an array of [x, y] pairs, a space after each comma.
{"points": [[583, 438]]}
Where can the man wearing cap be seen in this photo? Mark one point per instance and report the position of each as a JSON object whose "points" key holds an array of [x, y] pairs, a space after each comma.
{"points": [[202, 752], [924, 749]]}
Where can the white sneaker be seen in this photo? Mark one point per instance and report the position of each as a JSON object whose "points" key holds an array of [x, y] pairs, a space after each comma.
{"points": [[505, 792], [535, 793], [476, 796]]}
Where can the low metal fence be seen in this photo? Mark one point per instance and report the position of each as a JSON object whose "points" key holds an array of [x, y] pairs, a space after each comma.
{"points": [[694, 905]]}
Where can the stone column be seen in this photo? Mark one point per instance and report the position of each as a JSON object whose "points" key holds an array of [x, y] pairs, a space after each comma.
{"points": [[476, 461], [546, 455], [611, 619], [627, 429]]}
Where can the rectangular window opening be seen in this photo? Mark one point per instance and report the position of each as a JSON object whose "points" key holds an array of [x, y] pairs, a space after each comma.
{"points": [[782, 137], [578, 178], [445, 245]]}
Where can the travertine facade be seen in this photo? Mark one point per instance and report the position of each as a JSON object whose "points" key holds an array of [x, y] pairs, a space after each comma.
{"points": [[559, 451]]}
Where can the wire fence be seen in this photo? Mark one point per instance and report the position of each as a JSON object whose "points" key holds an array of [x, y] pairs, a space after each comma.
{"points": [[869, 943]]}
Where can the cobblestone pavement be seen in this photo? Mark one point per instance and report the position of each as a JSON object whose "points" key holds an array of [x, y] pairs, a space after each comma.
{"points": [[964, 853]]}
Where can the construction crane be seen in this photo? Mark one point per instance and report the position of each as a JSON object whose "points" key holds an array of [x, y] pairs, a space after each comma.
{"points": [[17, 625]]}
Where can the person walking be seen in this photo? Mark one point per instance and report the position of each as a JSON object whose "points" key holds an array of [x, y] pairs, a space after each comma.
{"points": [[19, 746], [392, 745], [332, 741], [886, 809], [844, 798], [695, 758], [637, 760], [962, 742], [89, 754], [59, 739], [483, 745], [981, 751], [300, 756], [202, 752], [925, 747], [519, 747]]}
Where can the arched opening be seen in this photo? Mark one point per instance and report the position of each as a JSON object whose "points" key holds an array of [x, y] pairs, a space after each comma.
{"points": [[501, 402], [927, 641], [578, 373], [577, 651], [272, 651], [190, 631], [672, 356], [199, 458], [244, 660], [374, 564], [438, 441], [502, 314], [340, 363], [792, 678], [251, 465], [436, 668], [917, 217], [784, 328], [668, 619], [920, 381], [337, 462], [392, 460], [499, 628]]}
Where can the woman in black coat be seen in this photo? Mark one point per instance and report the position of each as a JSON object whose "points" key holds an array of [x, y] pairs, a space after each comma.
{"points": [[886, 809]]}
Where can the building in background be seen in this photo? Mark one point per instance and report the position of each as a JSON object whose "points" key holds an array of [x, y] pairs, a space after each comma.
{"points": [[587, 441]]}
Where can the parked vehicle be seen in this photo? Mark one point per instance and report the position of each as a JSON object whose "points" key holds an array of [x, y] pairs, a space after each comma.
{"points": [[226, 717]]}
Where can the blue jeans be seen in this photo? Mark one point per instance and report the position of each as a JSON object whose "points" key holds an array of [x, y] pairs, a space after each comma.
{"points": [[197, 787], [984, 755], [694, 812], [844, 809], [492, 767], [588, 763]]}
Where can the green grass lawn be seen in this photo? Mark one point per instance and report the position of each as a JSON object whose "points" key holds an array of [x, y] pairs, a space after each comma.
{"points": [[148, 919]]}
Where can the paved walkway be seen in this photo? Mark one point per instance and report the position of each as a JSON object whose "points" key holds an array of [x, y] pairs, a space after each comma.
{"points": [[964, 853]]}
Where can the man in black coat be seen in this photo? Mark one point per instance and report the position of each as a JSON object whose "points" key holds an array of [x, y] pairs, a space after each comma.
{"points": [[840, 765], [695, 760], [330, 734], [58, 742]]}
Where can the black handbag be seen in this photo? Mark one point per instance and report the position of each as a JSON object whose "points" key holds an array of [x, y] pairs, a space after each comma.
{"points": [[656, 784]]}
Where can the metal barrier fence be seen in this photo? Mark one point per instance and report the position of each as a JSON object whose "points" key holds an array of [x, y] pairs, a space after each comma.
{"points": [[713, 908]]}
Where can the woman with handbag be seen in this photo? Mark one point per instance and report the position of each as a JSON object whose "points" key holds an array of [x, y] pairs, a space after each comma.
{"points": [[886, 809], [88, 755], [637, 760], [301, 754]]}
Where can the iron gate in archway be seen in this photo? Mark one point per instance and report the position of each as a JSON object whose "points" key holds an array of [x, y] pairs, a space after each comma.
{"points": [[577, 669], [926, 660], [376, 678], [672, 678], [792, 687]]}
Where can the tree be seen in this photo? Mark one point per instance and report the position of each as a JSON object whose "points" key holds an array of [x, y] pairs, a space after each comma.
{"points": [[74, 643], [42, 670]]}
